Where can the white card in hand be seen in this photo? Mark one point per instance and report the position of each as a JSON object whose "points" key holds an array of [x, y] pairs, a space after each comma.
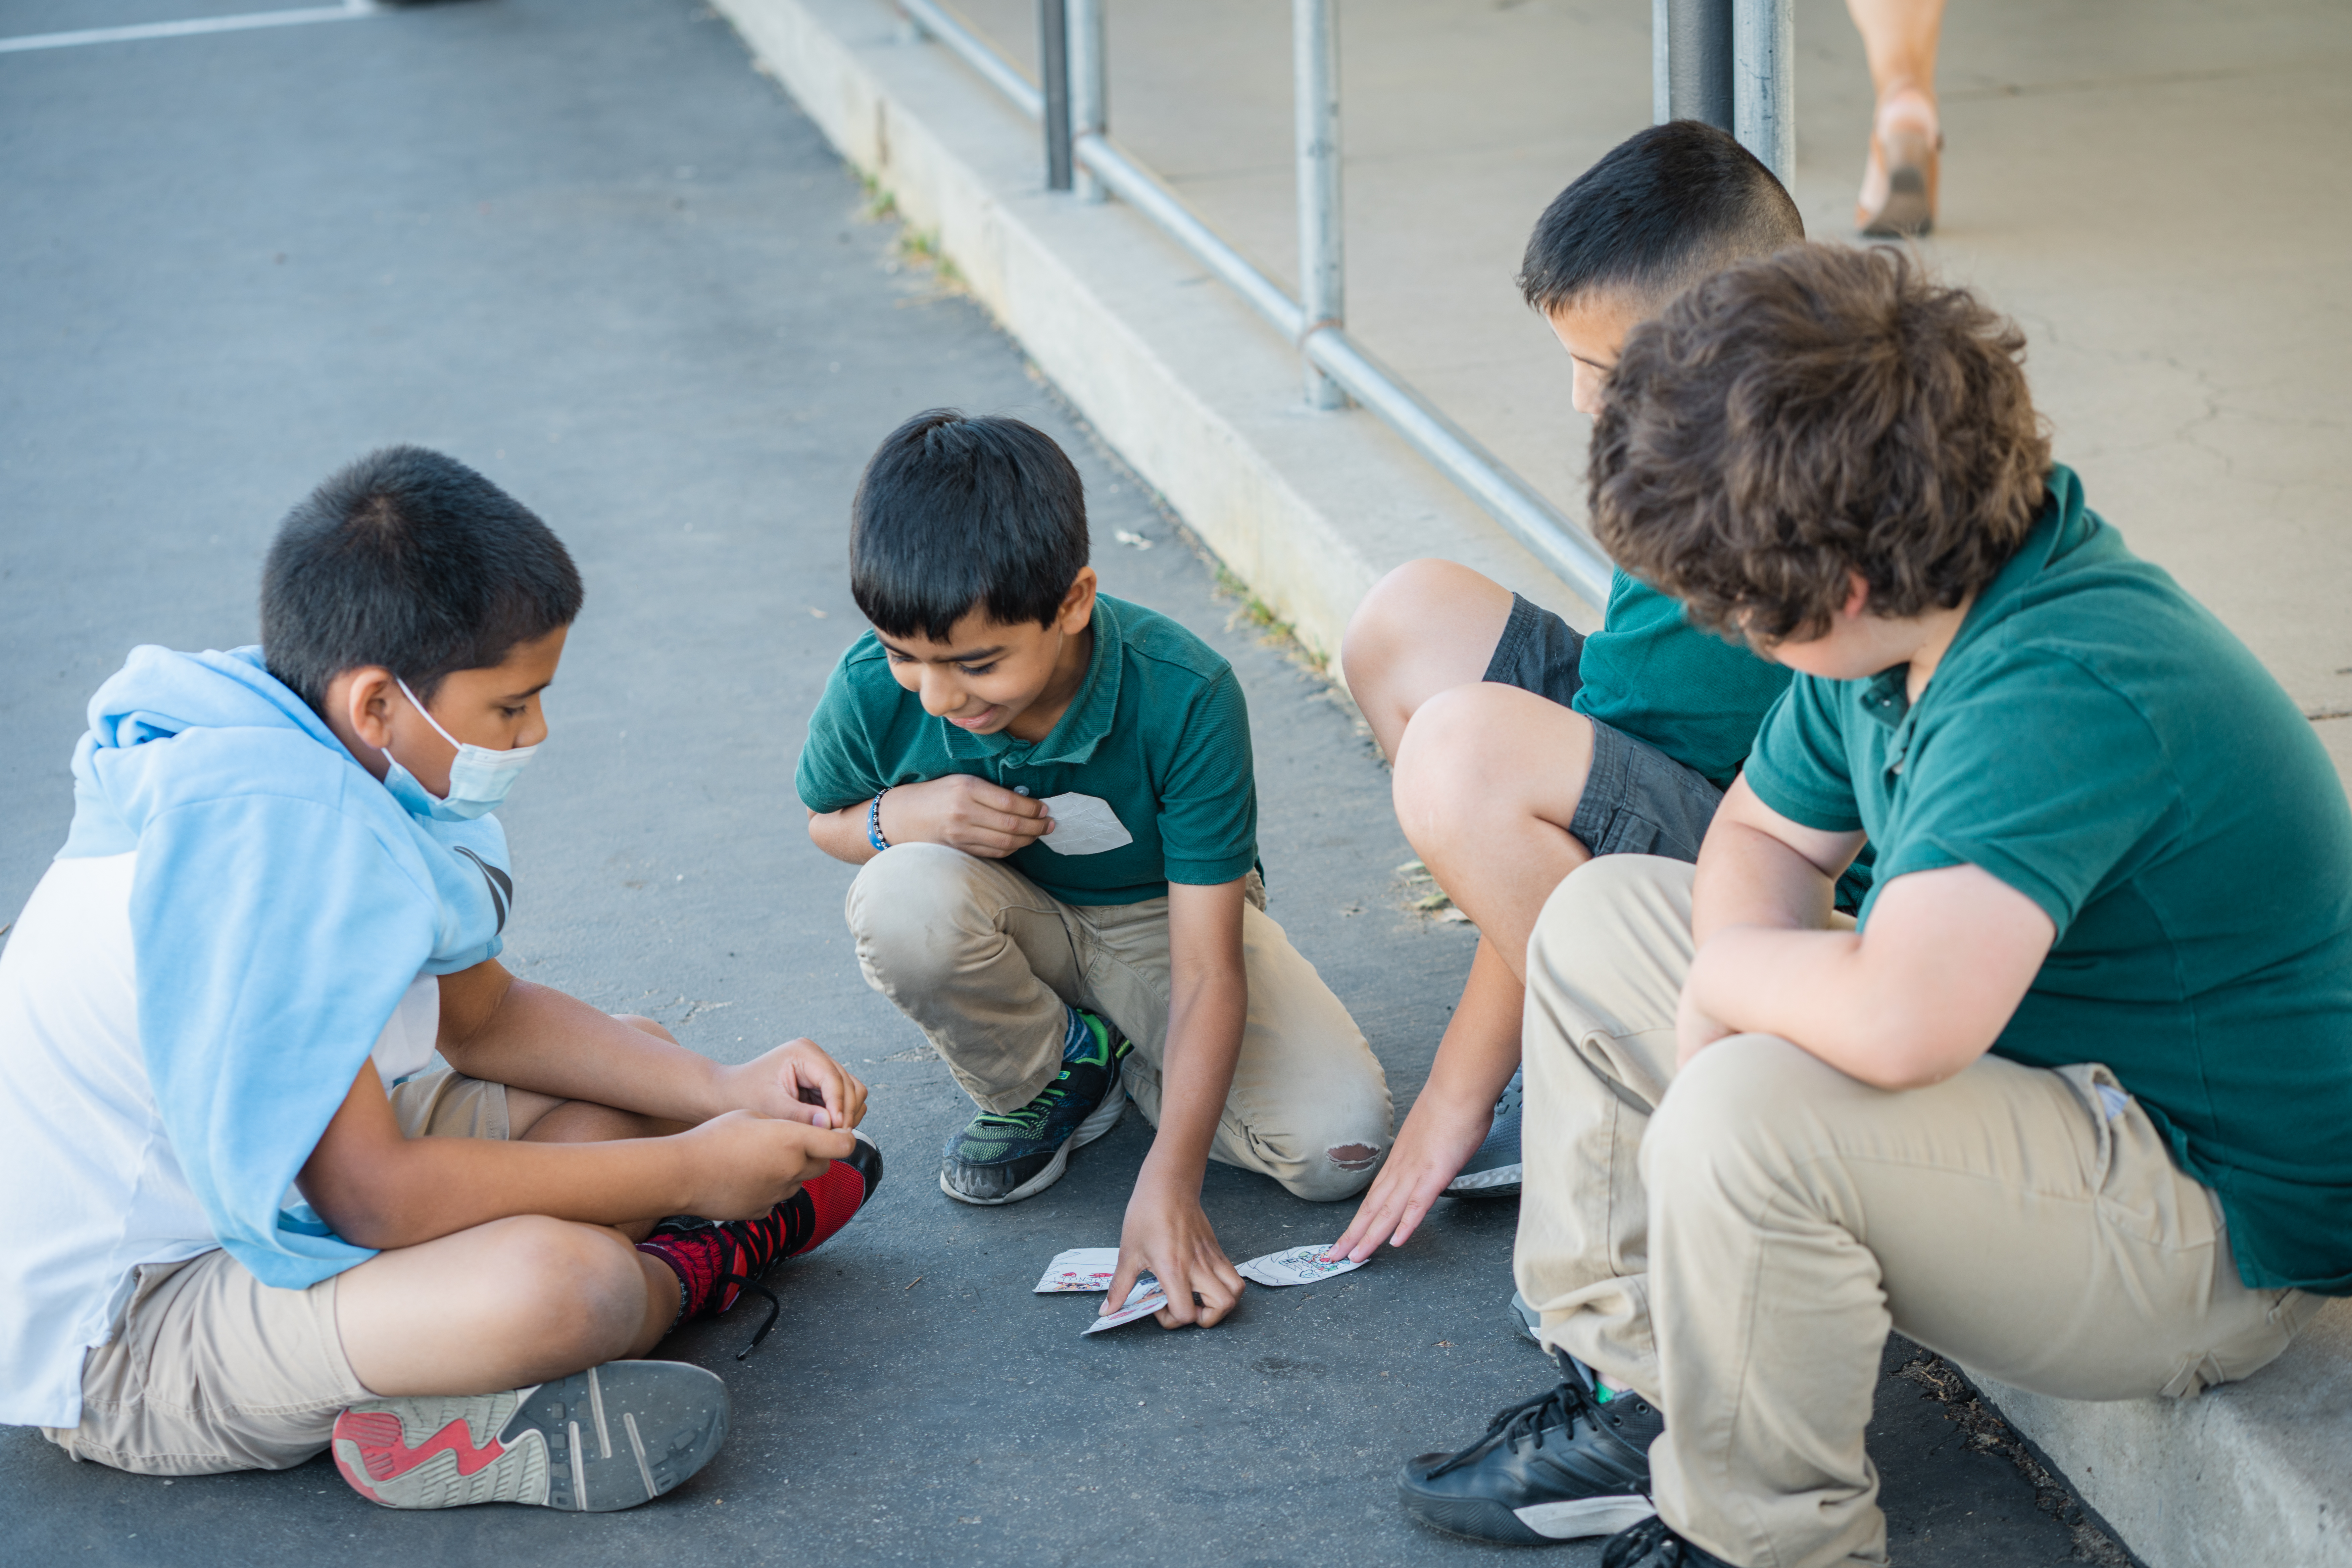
{"points": [[1084, 825], [1146, 1298], [1080, 1269], [1294, 1266]]}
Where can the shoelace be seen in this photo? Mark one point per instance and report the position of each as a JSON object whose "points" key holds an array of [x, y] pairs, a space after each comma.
{"points": [[742, 1267], [1030, 1119], [775, 1308], [1527, 1421], [1514, 1095]]}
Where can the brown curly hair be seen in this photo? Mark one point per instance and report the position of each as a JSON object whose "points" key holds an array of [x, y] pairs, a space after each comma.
{"points": [[1823, 411]]}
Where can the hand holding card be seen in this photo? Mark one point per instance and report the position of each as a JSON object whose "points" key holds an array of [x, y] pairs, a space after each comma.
{"points": [[1146, 1298]]}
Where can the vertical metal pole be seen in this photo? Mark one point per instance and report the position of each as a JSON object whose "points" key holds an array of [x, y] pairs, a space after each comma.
{"points": [[1089, 86], [1763, 89], [1698, 62], [1053, 68], [1662, 91], [1322, 271]]}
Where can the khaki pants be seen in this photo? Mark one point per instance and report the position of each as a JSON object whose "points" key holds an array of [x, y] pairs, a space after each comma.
{"points": [[209, 1369], [983, 960], [1737, 1249]]}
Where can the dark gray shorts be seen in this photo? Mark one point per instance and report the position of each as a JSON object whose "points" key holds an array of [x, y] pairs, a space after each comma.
{"points": [[1637, 800]]}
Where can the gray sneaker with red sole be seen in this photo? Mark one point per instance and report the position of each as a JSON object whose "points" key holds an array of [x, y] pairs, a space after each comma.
{"points": [[610, 1438]]}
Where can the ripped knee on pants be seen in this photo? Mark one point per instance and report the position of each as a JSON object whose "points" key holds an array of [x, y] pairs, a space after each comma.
{"points": [[1343, 1171]]}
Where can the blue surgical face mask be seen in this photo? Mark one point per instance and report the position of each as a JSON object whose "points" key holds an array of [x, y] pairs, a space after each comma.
{"points": [[478, 777]]}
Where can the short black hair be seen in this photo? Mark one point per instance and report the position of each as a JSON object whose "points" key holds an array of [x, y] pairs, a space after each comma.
{"points": [[1661, 209], [956, 512], [413, 561]]}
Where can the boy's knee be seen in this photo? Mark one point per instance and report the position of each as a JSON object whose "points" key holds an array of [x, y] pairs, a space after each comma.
{"points": [[1739, 1121], [905, 909], [921, 874], [1338, 1153], [1447, 768], [1594, 908], [1333, 1173], [1391, 616], [580, 1279]]}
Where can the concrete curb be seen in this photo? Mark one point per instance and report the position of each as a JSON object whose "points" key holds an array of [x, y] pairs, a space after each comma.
{"points": [[1192, 390], [2248, 1472]]}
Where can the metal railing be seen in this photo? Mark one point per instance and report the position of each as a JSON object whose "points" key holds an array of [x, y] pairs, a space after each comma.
{"points": [[1725, 61]]}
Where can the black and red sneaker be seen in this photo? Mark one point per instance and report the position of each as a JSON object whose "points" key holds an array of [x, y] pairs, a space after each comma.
{"points": [[716, 1260]]}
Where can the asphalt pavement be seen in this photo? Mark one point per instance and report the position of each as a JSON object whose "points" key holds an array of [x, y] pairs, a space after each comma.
{"points": [[582, 246]]}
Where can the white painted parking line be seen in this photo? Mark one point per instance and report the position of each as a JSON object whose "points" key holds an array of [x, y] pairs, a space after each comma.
{"points": [[348, 11]]}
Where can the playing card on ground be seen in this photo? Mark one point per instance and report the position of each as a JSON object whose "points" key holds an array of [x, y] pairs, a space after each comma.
{"points": [[1294, 1266], [1146, 1298], [1080, 1269]]}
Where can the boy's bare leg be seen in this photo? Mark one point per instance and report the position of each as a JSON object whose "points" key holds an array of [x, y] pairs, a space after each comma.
{"points": [[1426, 627], [519, 1300], [515, 1301], [1487, 783]]}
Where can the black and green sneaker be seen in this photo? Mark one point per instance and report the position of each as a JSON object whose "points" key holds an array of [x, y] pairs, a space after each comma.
{"points": [[1003, 1159]]}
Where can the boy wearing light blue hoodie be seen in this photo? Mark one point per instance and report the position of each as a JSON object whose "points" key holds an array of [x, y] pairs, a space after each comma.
{"points": [[247, 1219]]}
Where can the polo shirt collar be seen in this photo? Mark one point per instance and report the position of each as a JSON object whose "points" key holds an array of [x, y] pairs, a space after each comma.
{"points": [[1082, 726], [2063, 525]]}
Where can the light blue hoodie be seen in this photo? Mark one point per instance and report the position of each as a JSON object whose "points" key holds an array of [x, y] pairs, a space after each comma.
{"points": [[282, 902]]}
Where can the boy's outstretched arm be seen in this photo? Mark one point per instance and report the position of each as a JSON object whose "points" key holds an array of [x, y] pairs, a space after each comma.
{"points": [[379, 1189], [1924, 992], [531, 1037], [1476, 1057], [1167, 1232]]}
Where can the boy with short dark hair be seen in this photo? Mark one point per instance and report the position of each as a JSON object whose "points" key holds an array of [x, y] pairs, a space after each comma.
{"points": [[245, 1219], [1050, 794], [1521, 749], [2067, 1105]]}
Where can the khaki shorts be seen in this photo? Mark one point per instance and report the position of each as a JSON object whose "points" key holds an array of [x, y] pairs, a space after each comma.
{"points": [[209, 1369]]}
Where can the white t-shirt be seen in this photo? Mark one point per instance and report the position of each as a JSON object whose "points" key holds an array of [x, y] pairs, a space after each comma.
{"points": [[93, 1188]]}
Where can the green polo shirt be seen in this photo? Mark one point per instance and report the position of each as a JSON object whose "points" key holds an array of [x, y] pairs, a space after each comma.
{"points": [[1160, 730], [1652, 674], [2099, 742], [1698, 699]]}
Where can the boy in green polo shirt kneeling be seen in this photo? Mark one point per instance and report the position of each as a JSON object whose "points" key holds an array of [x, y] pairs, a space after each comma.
{"points": [[2068, 1106], [1051, 796]]}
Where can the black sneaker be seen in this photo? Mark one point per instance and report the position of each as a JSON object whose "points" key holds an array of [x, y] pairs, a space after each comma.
{"points": [[1003, 1159], [1650, 1544], [1558, 1467]]}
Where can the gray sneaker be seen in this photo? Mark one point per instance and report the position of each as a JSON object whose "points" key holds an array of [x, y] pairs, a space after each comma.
{"points": [[1493, 1172]]}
